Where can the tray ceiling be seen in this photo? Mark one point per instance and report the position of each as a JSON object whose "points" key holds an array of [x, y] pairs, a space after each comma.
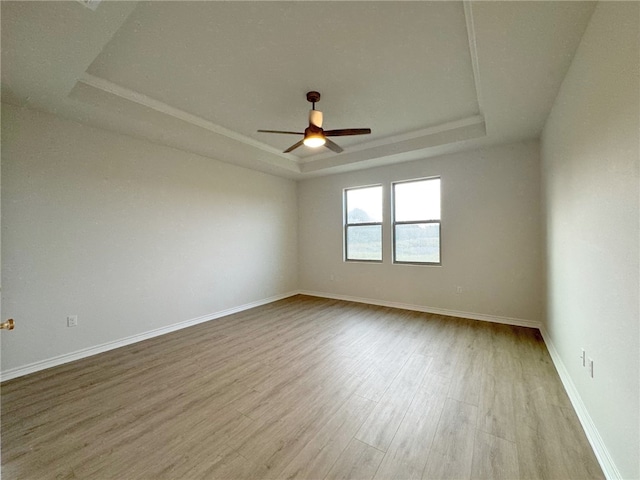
{"points": [[426, 77]]}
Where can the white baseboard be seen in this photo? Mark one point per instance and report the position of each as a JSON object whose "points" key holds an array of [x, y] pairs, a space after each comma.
{"points": [[600, 450], [88, 352], [420, 308]]}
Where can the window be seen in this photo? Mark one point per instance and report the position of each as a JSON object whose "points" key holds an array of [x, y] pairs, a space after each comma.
{"points": [[363, 223], [416, 221]]}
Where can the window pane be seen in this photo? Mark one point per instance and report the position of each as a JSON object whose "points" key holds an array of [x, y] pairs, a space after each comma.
{"points": [[364, 243], [364, 205], [417, 200], [419, 242]]}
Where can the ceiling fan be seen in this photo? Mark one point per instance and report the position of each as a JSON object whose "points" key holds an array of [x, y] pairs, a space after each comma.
{"points": [[314, 135]]}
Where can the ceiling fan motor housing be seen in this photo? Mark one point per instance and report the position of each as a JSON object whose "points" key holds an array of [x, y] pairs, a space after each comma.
{"points": [[313, 130]]}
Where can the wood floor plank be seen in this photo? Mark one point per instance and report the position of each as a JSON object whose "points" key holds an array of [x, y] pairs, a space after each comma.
{"points": [[359, 461], [272, 446], [302, 388], [385, 365], [443, 346], [496, 414], [380, 428], [466, 382], [494, 458], [551, 444], [407, 454], [321, 452], [451, 453]]}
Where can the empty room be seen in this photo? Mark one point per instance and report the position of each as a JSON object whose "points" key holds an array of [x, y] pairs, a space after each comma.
{"points": [[320, 240]]}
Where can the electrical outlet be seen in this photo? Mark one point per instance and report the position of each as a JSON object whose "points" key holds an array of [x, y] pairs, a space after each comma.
{"points": [[591, 367], [72, 321], [584, 358], [458, 290]]}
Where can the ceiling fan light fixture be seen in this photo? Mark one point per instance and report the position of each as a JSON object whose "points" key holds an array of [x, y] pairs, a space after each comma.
{"points": [[314, 140], [314, 135]]}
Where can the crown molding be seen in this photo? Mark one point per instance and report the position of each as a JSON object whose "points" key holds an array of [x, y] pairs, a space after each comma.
{"points": [[158, 106], [403, 137], [448, 133], [473, 52]]}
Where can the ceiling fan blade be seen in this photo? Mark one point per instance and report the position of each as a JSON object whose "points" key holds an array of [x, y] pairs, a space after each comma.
{"points": [[333, 146], [281, 131], [347, 131], [293, 147]]}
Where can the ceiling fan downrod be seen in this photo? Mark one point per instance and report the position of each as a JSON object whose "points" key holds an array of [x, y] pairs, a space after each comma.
{"points": [[313, 97]]}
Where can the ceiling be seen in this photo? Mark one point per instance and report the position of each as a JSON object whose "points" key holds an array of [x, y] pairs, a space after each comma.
{"points": [[427, 77]]}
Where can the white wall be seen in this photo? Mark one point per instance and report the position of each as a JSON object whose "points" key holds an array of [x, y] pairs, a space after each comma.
{"points": [[590, 174], [490, 236], [128, 235]]}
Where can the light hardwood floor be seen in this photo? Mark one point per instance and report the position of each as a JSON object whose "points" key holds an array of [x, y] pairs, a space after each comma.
{"points": [[303, 388]]}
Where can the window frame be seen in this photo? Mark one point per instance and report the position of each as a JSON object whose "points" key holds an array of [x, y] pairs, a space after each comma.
{"points": [[394, 223], [346, 224]]}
